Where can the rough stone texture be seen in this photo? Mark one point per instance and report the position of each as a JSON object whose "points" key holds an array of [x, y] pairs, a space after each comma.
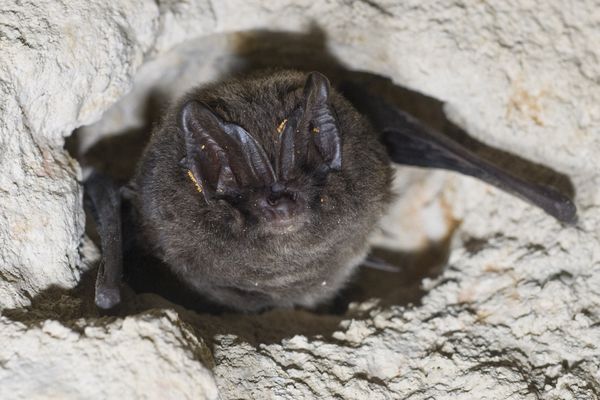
{"points": [[105, 358], [61, 66], [516, 314]]}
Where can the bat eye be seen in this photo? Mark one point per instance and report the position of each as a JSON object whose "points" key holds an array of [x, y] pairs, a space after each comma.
{"points": [[237, 199], [321, 174]]}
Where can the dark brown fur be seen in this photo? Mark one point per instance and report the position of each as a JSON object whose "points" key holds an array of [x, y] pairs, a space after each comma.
{"points": [[231, 259]]}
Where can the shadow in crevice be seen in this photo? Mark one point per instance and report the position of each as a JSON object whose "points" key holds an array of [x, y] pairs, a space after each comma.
{"points": [[116, 155], [69, 306], [391, 288], [269, 327]]}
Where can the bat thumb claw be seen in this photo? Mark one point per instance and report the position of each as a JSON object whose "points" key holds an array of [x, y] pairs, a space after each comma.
{"points": [[107, 298]]}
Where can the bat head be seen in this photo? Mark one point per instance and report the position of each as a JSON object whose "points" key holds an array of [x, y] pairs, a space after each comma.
{"points": [[269, 184]]}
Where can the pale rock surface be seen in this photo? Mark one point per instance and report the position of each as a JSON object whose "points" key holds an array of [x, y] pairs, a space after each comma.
{"points": [[516, 314], [105, 358]]}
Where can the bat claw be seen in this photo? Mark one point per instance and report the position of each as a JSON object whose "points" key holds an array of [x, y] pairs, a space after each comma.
{"points": [[107, 298], [381, 265]]}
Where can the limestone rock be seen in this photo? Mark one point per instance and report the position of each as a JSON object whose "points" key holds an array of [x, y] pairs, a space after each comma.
{"points": [[154, 355], [516, 312]]}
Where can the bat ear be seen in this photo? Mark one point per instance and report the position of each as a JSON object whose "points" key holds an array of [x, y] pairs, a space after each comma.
{"points": [[205, 160], [287, 152], [252, 166], [322, 121], [221, 157]]}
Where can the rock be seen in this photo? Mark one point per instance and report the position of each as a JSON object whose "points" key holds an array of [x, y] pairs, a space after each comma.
{"points": [[516, 312], [154, 354]]}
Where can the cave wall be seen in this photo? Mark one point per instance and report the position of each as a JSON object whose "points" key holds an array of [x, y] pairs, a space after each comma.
{"points": [[514, 315]]}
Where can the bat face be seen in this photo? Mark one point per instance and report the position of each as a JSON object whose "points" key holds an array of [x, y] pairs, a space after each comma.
{"points": [[272, 190], [262, 192]]}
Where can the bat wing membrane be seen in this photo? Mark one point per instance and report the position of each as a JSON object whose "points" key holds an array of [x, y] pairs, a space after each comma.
{"points": [[409, 142]]}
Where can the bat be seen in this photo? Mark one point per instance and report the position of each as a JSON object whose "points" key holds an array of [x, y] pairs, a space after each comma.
{"points": [[260, 192]]}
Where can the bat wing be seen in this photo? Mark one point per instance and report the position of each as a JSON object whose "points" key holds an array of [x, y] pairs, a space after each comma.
{"points": [[104, 202], [409, 142]]}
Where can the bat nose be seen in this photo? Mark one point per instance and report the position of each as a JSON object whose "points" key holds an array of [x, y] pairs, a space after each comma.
{"points": [[278, 208], [282, 207], [281, 211]]}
